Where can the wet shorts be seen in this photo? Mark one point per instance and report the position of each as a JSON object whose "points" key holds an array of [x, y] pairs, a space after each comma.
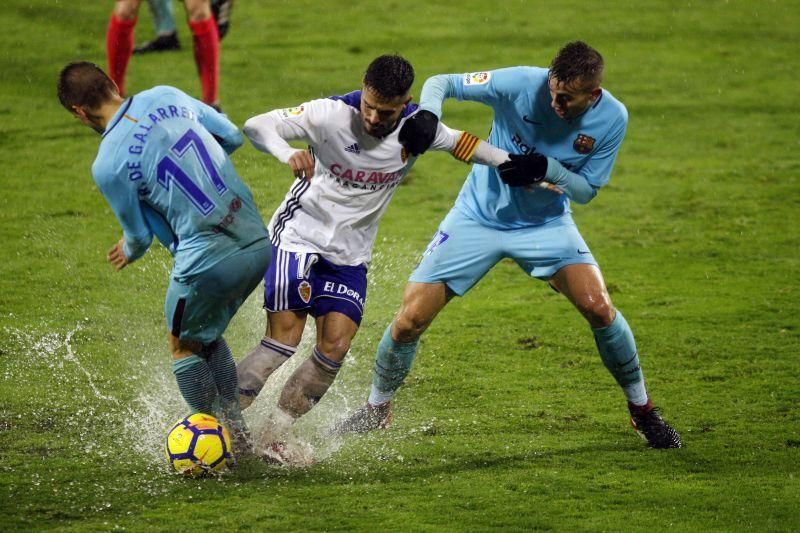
{"points": [[463, 250], [302, 281], [200, 307]]}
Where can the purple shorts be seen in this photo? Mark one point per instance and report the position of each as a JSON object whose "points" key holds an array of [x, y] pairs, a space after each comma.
{"points": [[301, 281]]}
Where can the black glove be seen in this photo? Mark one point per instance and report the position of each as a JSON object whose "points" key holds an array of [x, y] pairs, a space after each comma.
{"points": [[418, 132], [523, 169]]}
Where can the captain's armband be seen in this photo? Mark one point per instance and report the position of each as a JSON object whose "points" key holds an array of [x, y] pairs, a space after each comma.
{"points": [[465, 147]]}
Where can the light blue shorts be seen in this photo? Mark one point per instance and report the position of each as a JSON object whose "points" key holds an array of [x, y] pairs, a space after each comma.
{"points": [[463, 250], [199, 308]]}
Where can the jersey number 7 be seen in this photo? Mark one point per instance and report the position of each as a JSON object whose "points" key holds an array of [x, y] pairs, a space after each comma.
{"points": [[168, 171]]}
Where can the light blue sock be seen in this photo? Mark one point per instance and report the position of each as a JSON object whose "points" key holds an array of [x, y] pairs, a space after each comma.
{"points": [[223, 369], [195, 383], [618, 350], [393, 362], [163, 16]]}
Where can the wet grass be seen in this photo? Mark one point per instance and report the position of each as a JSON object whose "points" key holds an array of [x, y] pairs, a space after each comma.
{"points": [[508, 421]]}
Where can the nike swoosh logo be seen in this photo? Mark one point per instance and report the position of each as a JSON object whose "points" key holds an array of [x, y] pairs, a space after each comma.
{"points": [[583, 252], [628, 361], [529, 121]]}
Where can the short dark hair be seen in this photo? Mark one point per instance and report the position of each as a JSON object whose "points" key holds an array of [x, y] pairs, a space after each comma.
{"points": [[82, 83], [577, 61], [389, 76]]}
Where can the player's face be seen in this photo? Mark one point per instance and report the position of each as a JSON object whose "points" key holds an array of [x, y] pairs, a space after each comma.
{"points": [[572, 99], [380, 115]]}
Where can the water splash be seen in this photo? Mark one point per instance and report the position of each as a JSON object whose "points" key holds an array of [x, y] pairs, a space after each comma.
{"points": [[139, 397], [45, 348], [70, 356]]}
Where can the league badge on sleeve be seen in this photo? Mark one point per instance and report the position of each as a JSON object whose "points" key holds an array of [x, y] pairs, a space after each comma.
{"points": [[476, 78], [293, 112], [583, 144]]}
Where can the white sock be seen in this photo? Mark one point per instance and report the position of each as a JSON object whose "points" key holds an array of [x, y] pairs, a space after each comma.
{"points": [[377, 397], [636, 393]]}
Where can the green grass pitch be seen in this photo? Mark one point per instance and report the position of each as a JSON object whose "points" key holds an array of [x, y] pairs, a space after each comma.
{"points": [[508, 421]]}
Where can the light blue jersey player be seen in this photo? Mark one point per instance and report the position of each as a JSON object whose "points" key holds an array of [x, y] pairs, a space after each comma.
{"points": [[564, 132], [163, 166]]}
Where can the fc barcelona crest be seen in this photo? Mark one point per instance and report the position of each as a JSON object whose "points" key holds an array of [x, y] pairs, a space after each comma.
{"points": [[583, 144], [304, 290]]}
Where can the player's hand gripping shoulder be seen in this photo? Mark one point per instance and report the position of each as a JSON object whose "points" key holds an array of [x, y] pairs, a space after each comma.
{"points": [[418, 132], [116, 256], [522, 170], [302, 164]]}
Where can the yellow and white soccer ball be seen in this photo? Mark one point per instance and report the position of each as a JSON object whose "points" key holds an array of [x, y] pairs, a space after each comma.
{"points": [[198, 445]]}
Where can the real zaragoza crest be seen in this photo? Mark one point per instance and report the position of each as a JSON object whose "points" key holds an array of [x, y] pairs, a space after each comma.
{"points": [[304, 289]]}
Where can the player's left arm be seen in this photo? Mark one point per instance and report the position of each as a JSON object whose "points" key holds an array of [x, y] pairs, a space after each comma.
{"points": [[160, 228], [581, 187], [124, 201], [535, 169], [467, 147], [224, 131]]}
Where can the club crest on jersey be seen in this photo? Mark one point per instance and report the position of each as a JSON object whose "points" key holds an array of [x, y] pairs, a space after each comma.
{"points": [[293, 111], [304, 290], [403, 154], [583, 144], [476, 78]]}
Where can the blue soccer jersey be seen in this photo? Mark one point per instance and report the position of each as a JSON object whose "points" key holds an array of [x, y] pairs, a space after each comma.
{"points": [[163, 166], [586, 145]]}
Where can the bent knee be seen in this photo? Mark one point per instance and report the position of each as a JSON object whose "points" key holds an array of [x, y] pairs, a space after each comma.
{"points": [[183, 348], [198, 11], [409, 326], [335, 348], [599, 313], [126, 10]]}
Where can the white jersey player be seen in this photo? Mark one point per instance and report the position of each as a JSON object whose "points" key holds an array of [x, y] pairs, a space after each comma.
{"points": [[323, 232], [336, 212]]}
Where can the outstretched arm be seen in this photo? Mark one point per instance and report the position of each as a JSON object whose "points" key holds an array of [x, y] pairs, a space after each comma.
{"points": [[489, 88], [467, 147], [435, 90]]}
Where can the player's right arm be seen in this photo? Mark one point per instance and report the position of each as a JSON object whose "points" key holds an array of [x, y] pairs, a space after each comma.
{"points": [[270, 133], [124, 201], [419, 131], [488, 87], [435, 90]]}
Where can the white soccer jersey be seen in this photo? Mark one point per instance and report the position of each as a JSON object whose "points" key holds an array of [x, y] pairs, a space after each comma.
{"points": [[336, 213]]}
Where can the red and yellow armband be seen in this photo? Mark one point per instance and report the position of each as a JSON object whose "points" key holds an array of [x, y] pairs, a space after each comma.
{"points": [[465, 147]]}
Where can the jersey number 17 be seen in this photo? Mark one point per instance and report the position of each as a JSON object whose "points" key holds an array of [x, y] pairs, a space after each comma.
{"points": [[168, 172]]}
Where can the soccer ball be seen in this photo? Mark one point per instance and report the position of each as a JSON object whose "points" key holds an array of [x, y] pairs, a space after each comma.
{"points": [[198, 445]]}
